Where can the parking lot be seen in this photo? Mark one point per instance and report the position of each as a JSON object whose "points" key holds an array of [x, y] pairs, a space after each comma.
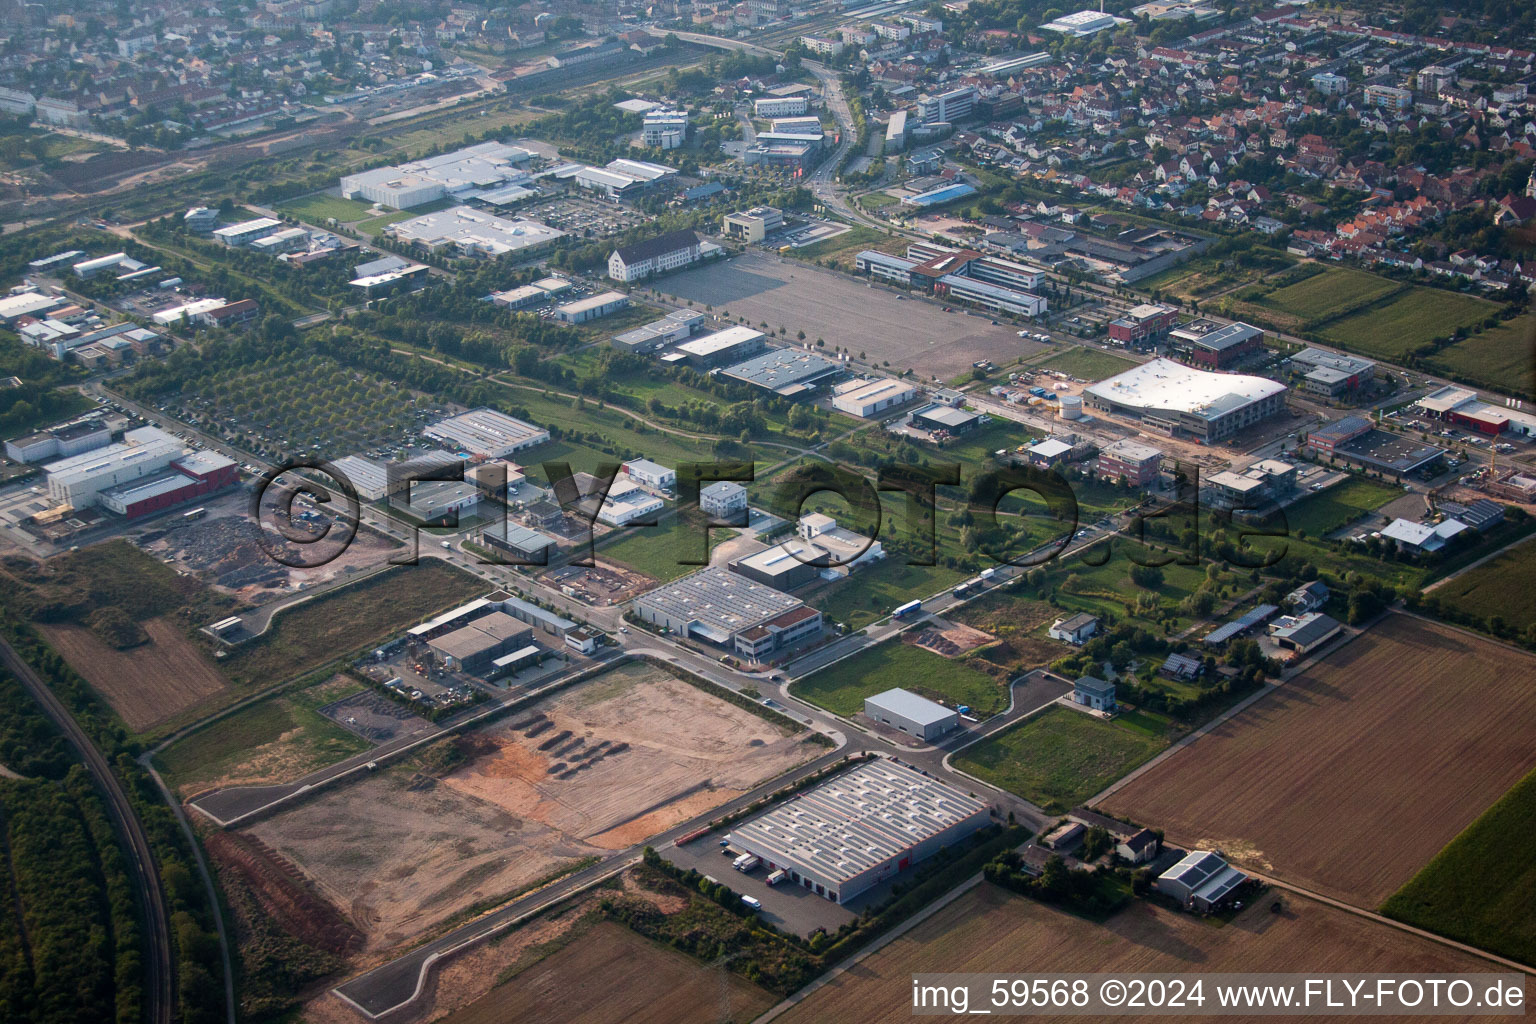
{"points": [[907, 333], [786, 906]]}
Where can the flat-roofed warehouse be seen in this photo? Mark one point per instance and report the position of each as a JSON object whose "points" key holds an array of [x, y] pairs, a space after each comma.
{"points": [[1181, 401], [858, 829], [487, 433], [787, 372], [910, 713], [477, 644], [864, 398], [732, 345], [474, 232], [723, 607]]}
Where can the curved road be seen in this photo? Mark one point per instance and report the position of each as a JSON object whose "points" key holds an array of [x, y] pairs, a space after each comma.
{"points": [[159, 968]]}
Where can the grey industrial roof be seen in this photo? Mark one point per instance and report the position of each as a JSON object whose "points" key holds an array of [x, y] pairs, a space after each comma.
{"points": [[784, 370], [480, 635], [864, 817], [1309, 629], [911, 706], [719, 602], [1094, 685]]}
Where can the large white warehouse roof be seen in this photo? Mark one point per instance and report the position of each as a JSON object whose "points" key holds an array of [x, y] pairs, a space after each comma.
{"points": [[1165, 384]]}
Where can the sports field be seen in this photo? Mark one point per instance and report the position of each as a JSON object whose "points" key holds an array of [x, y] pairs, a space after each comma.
{"points": [[989, 930], [844, 311], [1061, 757], [1349, 778]]}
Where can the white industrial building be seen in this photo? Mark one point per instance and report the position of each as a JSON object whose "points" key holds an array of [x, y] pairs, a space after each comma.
{"points": [[77, 480], [779, 106], [859, 828], [486, 433], [671, 251], [722, 348], [1181, 401], [247, 231], [651, 474], [59, 442], [723, 499], [730, 611], [474, 232], [14, 307], [190, 310], [460, 174], [664, 129], [1083, 23], [627, 502], [592, 307], [907, 712], [753, 225], [286, 240], [86, 269], [865, 398]]}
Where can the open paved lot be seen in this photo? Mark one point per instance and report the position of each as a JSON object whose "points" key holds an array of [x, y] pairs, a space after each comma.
{"points": [[909, 333]]}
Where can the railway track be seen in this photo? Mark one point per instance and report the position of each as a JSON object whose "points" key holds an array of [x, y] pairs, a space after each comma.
{"points": [[159, 969]]}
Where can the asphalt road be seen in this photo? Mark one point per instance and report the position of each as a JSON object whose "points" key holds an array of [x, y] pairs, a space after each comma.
{"points": [[159, 967]]}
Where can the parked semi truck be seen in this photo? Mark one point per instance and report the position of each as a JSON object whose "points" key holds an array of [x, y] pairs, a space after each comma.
{"points": [[746, 862]]}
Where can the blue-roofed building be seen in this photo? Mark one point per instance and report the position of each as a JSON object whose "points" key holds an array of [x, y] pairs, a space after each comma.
{"points": [[939, 196]]}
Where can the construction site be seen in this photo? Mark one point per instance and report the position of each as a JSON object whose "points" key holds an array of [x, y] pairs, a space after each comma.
{"points": [[594, 768], [227, 550]]}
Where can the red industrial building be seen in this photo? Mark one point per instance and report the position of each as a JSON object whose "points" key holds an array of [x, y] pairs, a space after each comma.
{"points": [[1139, 464], [1144, 325], [1213, 346], [188, 478]]}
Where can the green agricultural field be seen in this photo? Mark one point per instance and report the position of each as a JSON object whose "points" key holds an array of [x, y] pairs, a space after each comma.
{"points": [[877, 201], [841, 688], [319, 208], [1344, 503], [1088, 364], [347, 619], [872, 591], [284, 734], [1499, 587], [1328, 294], [1480, 888], [1414, 318], [1501, 358], [1061, 757]]}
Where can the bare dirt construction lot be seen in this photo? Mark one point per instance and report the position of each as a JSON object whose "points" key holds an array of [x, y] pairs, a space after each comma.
{"points": [[683, 753], [147, 684], [1351, 776], [951, 641], [593, 769], [908, 333], [990, 930]]}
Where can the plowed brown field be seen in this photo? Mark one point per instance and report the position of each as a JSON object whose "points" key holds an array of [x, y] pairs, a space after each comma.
{"points": [[146, 684], [991, 931], [1351, 776]]}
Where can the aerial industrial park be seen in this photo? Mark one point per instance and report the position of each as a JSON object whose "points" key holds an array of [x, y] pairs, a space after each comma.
{"points": [[769, 511]]}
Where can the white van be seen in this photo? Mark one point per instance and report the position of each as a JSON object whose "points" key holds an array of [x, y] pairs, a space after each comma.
{"points": [[753, 902]]}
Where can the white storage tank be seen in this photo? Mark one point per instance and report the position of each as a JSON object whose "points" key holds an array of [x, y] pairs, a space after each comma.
{"points": [[1071, 407]]}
